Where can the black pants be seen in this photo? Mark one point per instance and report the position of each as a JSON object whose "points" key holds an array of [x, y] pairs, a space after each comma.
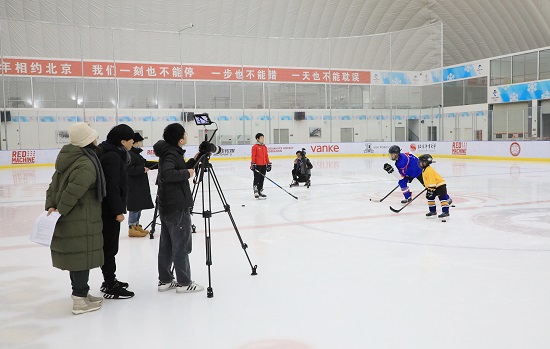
{"points": [[79, 281], [258, 178], [111, 233], [299, 177]]}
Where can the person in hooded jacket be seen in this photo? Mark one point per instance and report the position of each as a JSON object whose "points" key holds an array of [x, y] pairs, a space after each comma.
{"points": [[139, 192], [76, 192], [174, 204], [114, 157]]}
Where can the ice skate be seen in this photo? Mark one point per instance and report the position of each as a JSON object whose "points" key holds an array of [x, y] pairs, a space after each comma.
{"points": [[404, 201]]}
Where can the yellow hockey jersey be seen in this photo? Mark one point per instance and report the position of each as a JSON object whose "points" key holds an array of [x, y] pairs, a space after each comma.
{"points": [[431, 178]]}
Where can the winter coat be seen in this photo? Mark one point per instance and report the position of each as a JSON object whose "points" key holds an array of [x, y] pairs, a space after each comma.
{"points": [[77, 242], [139, 193], [113, 160], [303, 166], [173, 178], [259, 154]]}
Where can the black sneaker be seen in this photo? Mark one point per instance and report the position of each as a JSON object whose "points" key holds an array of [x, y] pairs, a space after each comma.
{"points": [[117, 292], [443, 215], [121, 283]]}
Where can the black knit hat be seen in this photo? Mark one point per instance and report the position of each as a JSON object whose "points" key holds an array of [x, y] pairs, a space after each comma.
{"points": [[258, 135], [119, 133], [173, 133]]}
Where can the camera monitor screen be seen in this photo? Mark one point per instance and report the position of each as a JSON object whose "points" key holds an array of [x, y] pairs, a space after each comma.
{"points": [[202, 119]]}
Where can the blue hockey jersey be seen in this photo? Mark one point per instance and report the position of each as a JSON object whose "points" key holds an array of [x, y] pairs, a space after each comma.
{"points": [[408, 166]]}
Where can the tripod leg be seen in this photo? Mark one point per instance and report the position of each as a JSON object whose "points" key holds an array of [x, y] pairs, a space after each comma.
{"points": [[153, 223], [227, 209]]}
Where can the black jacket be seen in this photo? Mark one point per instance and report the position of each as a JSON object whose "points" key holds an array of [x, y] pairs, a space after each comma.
{"points": [[303, 166], [139, 193], [173, 178], [113, 160]]}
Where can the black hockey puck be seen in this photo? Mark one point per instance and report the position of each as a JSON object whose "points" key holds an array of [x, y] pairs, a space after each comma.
{"points": [[242, 205], [443, 220]]}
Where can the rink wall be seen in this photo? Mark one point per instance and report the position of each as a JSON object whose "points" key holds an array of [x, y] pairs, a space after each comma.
{"points": [[494, 150]]}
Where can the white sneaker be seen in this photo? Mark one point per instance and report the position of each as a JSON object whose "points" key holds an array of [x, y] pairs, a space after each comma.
{"points": [[82, 305], [93, 299], [192, 287], [168, 286]]}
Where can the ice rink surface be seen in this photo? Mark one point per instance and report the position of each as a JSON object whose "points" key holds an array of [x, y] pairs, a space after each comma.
{"points": [[335, 270]]}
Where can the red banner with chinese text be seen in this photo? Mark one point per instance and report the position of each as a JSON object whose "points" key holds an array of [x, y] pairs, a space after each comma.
{"points": [[127, 70]]}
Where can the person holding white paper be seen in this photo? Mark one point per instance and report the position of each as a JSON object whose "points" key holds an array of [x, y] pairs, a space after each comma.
{"points": [[76, 192]]}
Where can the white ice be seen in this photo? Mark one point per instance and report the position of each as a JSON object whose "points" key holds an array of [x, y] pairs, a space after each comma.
{"points": [[335, 270]]}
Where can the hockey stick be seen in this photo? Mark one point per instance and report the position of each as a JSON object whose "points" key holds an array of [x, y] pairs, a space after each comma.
{"points": [[386, 195], [276, 184], [407, 204]]}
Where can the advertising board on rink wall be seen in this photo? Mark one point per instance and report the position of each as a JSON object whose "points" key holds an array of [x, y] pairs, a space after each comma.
{"points": [[497, 150]]}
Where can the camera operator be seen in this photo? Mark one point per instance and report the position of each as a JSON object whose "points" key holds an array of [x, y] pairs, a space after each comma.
{"points": [[302, 169], [175, 202]]}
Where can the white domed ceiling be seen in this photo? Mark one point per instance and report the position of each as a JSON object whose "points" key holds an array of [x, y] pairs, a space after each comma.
{"points": [[237, 32]]}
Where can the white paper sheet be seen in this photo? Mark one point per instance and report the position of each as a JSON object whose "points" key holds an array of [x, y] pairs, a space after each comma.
{"points": [[44, 225]]}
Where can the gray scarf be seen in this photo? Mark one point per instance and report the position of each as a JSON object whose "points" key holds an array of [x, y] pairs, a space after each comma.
{"points": [[100, 182], [128, 157]]}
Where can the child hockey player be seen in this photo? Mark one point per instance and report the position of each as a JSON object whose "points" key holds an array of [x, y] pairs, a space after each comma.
{"points": [[302, 169], [408, 168], [259, 163], [436, 187]]}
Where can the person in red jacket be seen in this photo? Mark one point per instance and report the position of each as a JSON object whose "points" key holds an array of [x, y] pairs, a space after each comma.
{"points": [[259, 163]]}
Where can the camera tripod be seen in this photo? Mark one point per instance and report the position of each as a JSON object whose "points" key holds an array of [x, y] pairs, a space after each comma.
{"points": [[153, 224], [204, 166]]}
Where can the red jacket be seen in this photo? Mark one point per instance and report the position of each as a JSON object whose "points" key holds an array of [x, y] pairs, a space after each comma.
{"points": [[259, 154]]}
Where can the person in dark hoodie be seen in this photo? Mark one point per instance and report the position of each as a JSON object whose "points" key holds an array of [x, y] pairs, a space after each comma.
{"points": [[114, 157], [174, 203], [139, 192]]}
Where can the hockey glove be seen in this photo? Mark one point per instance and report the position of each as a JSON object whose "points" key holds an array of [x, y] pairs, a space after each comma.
{"points": [[388, 168], [253, 166], [268, 168]]}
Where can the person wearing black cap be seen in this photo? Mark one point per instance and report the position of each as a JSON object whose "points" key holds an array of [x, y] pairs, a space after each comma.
{"points": [[139, 192], [114, 157], [174, 203]]}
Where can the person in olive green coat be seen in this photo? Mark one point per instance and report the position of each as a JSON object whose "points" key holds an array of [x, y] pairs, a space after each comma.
{"points": [[76, 191]]}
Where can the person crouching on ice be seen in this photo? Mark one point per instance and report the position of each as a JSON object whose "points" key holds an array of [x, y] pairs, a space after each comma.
{"points": [[436, 187]]}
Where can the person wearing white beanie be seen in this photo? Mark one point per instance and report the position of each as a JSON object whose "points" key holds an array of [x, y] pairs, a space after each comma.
{"points": [[77, 244], [81, 134]]}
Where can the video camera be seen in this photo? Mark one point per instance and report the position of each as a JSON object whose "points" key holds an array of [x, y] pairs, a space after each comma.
{"points": [[207, 147]]}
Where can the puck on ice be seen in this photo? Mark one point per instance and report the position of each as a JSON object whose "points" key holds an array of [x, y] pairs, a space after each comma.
{"points": [[242, 205], [443, 220]]}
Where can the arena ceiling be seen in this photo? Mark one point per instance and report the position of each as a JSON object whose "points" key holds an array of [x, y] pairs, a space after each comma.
{"points": [[235, 31]]}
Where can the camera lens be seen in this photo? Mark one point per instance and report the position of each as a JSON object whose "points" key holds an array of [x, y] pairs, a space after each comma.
{"points": [[214, 149]]}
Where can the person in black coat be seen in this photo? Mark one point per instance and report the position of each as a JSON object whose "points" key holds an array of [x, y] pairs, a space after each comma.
{"points": [[114, 157], [175, 202], [139, 192]]}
